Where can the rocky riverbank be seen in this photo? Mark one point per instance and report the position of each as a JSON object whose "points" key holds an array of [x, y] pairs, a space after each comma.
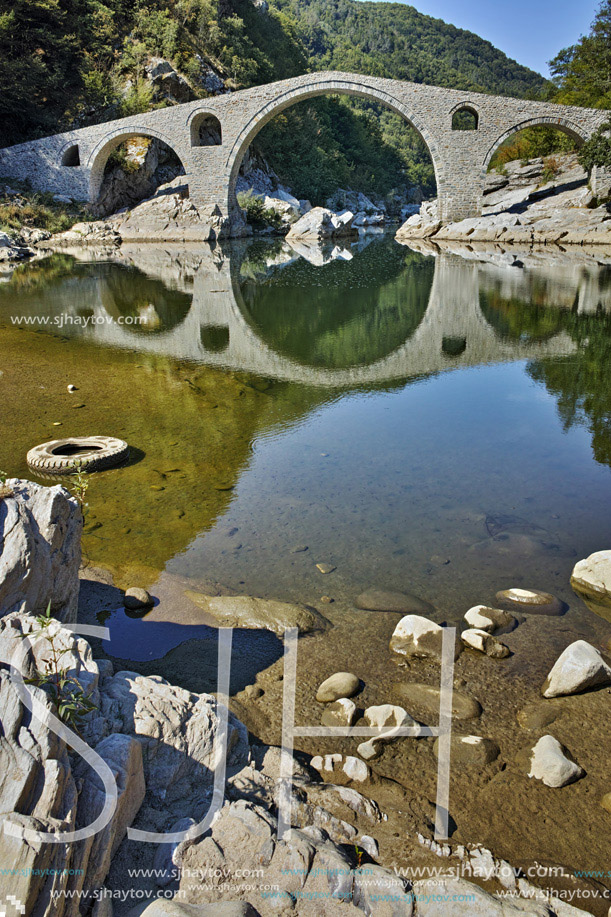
{"points": [[528, 747], [541, 201]]}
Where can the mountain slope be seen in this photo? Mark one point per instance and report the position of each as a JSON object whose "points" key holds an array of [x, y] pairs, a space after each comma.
{"points": [[395, 40]]}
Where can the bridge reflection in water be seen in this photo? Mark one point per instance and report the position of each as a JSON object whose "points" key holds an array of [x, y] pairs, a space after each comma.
{"points": [[340, 317]]}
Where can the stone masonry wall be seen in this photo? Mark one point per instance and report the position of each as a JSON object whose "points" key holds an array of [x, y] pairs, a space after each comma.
{"points": [[460, 158]]}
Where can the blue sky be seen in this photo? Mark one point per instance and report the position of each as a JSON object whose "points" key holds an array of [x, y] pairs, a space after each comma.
{"points": [[529, 31]]}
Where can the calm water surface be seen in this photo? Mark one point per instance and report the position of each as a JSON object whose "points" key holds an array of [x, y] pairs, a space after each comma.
{"points": [[425, 423]]}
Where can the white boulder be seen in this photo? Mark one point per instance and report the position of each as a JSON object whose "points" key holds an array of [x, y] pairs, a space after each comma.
{"points": [[417, 636], [550, 764], [578, 668], [483, 617], [484, 642], [320, 223], [591, 579]]}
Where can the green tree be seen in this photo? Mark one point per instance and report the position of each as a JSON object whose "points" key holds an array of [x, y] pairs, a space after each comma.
{"points": [[582, 72]]}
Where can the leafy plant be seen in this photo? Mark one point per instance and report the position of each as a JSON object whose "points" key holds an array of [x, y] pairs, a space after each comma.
{"points": [[5, 490], [597, 150], [257, 214], [66, 692], [551, 168], [79, 485]]}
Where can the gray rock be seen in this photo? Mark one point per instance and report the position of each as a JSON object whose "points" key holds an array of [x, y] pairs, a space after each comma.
{"points": [[578, 668], [40, 550], [135, 598], [454, 897], [339, 685], [247, 611], [124, 756], [164, 861], [374, 599], [380, 892], [550, 763]]}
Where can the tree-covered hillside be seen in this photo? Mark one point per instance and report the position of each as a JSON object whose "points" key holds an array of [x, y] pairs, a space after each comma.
{"points": [[395, 40]]}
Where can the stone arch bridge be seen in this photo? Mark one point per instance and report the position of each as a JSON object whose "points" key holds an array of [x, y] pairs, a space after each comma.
{"points": [[211, 137]]}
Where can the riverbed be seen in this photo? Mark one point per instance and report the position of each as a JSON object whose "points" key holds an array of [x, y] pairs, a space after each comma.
{"points": [[414, 420]]}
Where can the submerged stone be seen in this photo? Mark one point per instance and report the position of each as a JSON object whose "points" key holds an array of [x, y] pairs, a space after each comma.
{"points": [[531, 601], [375, 599], [471, 751], [248, 611], [424, 699]]}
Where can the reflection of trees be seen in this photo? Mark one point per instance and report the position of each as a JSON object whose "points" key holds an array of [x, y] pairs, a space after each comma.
{"points": [[130, 293], [72, 286], [517, 319], [38, 274], [581, 383], [345, 313]]}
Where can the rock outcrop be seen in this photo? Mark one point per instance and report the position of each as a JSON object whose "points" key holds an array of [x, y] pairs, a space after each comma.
{"points": [[40, 549], [13, 249], [542, 201]]}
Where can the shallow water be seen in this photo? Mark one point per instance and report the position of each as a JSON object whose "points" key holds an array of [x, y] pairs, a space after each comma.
{"points": [[430, 424]]}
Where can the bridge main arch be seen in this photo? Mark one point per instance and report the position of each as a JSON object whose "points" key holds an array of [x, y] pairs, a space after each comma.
{"points": [[315, 89]]}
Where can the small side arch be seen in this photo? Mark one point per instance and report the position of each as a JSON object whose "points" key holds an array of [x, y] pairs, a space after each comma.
{"points": [[205, 129], [70, 155], [465, 117], [563, 124], [99, 155]]}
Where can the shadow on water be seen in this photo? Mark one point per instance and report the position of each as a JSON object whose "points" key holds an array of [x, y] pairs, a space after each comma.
{"points": [[185, 654]]}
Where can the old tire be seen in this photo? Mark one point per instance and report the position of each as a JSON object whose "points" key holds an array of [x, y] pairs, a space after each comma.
{"points": [[90, 453]]}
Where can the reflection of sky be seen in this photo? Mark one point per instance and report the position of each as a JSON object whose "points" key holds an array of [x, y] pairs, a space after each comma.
{"points": [[378, 483], [140, 640]]}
